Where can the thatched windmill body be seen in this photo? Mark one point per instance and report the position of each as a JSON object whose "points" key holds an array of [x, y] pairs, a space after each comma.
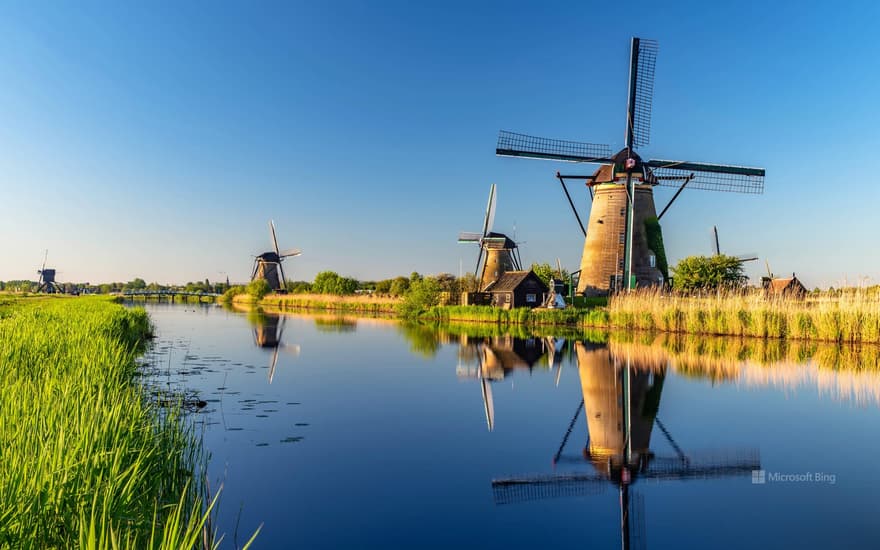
{"points": [[623, 244], [268, 334], [268, 264], [502, 253], [47, 282]]}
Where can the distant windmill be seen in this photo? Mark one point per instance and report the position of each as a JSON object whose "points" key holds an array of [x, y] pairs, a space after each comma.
{"points": [[268, 264], [502, 253], [621, 402], [623, 242], [47, 278], [741, 257]]}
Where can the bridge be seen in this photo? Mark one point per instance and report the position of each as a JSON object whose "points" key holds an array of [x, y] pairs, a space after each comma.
{"points": [[184, 295]]}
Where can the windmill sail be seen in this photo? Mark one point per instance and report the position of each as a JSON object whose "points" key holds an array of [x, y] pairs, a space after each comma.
{"points": [[511, 144], [641, 93], [709, 177]]}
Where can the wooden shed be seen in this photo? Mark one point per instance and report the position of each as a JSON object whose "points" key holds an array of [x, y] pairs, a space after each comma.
{"points": [[517, 289], [789, 287]]}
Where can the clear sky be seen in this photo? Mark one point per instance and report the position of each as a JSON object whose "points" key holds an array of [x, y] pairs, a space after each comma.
{"points": [[156, 140]]}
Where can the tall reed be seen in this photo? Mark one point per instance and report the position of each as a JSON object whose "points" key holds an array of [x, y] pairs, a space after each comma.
{"points": [[853, 317], [86, 459]]}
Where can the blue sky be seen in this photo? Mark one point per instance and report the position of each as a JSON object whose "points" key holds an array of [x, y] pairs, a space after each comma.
{"points": [[157, 141]]}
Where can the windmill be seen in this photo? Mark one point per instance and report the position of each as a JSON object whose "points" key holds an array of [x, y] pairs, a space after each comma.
{"points": [[268, 333], [47, 282], [623, 247], [618, 443], [502, 253], [268, 264], [741, 257]]}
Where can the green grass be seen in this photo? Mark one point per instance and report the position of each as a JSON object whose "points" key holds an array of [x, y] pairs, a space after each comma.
{"points": [[86, 459]]}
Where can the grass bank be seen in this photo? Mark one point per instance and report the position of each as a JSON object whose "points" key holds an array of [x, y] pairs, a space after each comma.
{"points": [[850, 318], [361, 304], [88, 461]]}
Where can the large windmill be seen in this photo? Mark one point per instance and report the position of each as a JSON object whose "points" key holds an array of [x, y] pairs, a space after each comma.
{"points": [[268, 264], [502, 253], [623, 245], [47, 282], [621, 399]]}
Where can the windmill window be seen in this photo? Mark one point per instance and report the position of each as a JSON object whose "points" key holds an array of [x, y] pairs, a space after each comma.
{"points": [[531, 298], [507, 298], [652, 260], [622, 211], [622, 238]]}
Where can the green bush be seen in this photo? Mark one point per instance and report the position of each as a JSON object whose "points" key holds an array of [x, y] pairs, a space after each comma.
{"points": [[258, 288]]}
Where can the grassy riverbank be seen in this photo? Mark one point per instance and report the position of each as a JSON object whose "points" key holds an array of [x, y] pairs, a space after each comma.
{"points": [[362, 304], [88, 461], [851, 317]]}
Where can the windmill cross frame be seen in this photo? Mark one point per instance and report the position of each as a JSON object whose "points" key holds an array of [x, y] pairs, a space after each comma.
{"points": [[628, 167]]}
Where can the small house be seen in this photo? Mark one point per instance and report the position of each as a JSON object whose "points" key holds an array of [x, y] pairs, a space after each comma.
{"points": [[784, 288], [517, 289]]}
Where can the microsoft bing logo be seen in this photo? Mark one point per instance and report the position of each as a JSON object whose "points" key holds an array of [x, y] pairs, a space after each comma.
{"points": [[759, 477]]}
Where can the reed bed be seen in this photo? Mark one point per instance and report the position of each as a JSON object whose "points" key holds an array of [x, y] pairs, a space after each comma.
{"points": [[849, 318], [328, 302], [516, 316], [88, 461]]}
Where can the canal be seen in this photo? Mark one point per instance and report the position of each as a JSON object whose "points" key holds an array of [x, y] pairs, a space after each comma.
{"points": [[364, 433]]}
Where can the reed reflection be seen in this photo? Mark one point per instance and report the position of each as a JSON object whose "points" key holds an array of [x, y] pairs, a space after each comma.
{"points": [[621, 399], [268, 331]]}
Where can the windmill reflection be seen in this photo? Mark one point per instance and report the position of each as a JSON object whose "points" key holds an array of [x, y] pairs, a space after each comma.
{"points": [[621, 399], [268, 332], [496, 358]]}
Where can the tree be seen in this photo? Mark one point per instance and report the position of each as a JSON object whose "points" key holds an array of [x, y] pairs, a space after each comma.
{"points": [[422, 295], [258, 288], [399, 286], [708, 273], [545, 272]]}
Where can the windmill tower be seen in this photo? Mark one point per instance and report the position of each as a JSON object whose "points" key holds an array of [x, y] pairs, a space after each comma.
{"points": [[502, 253], [621, 398], [268, 264], [623, 243], [47, 282]]}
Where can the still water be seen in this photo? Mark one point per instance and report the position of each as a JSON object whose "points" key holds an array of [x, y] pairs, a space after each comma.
{"points": [[343, 433]]}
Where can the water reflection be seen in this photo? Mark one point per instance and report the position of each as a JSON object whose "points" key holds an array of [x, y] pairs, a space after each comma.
{"points": [[621, 399], [268, 334], [492, 359]]}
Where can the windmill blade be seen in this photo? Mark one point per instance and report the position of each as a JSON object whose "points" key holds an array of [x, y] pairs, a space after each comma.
{"points": [[45, 257], [274, 240], [283, 281], [490, 211], [709, 177], [290, 253], [643, 57], [488, 403], [538, 487], [750, 257], [703, 466], [469, 237], [273, 363], [477, 269], [511, 144]]}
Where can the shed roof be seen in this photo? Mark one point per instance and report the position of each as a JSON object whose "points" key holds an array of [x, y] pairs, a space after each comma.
{"points": [[510, 280]]}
